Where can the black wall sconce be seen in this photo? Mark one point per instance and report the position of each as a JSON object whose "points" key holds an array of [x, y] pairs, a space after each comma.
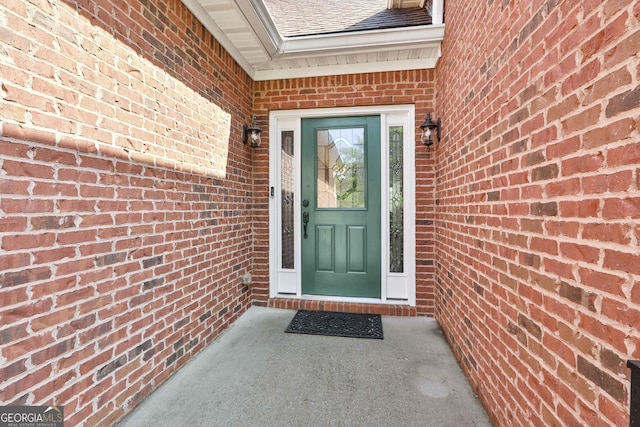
{"points": [[251, 134], [428, 128]]}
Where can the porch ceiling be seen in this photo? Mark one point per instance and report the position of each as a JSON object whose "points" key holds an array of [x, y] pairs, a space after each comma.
{"points": [[276, 39]]}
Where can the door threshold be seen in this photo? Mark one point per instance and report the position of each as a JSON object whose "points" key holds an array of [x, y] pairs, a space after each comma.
{"points": [[347, 305], [333, 298]]}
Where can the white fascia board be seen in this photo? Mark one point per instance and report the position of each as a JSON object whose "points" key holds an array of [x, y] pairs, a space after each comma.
{"points": [[330, 70], [259, 19], [356, 50], [203, 16], [361, 40]]}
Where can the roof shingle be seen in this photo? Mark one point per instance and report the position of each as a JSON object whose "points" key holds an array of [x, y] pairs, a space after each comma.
{"points": [[295, 18]]}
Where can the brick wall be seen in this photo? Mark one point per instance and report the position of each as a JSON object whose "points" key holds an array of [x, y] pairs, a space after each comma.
{"points": [[538, 217], [388, 88], [125, 200]]}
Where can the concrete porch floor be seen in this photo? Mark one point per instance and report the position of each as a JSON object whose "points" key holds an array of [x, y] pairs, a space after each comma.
{"points": [[254, 374]]}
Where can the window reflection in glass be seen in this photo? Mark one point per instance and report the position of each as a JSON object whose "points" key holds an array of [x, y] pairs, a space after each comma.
{"points": [[341, 168]]}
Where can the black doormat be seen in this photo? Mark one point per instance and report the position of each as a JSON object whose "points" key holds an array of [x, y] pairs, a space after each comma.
{"points": [[336, 324]]}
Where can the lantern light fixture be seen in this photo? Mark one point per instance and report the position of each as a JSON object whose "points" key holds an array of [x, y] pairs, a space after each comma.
{"points": [[251, 134], [429, 127]]}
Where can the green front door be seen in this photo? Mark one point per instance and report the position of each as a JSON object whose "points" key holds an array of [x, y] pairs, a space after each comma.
{"points": [[341, 206]]}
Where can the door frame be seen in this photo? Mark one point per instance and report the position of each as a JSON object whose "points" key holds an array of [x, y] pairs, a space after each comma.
{"points": [[396, 288]]}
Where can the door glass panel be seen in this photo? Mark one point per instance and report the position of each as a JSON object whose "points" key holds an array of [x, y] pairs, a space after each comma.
{"points": [[287, 198], [396, 201], [341, 171]]}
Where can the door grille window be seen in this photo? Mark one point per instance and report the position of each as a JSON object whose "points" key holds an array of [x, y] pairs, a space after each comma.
{"points": [[341, 168], [396, 200], [287, 211]]}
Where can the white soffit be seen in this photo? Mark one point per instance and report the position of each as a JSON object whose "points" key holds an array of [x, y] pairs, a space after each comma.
{"points": [[247, 31]]}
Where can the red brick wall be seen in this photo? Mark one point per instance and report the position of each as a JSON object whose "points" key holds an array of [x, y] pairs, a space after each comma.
{"points": [[389, 88], [538, 217], [125, 200]]}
